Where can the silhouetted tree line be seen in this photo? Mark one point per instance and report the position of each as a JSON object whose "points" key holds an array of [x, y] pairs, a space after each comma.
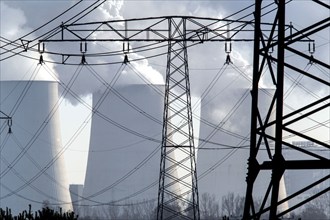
{"points": [[44, 213], [231, 209]]}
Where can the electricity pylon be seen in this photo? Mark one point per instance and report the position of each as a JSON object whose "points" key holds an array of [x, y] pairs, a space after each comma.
{"points": [[178, 192], [283, 40]]}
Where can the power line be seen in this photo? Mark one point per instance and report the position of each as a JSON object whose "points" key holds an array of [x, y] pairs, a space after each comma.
{"points": [[42, 26]]}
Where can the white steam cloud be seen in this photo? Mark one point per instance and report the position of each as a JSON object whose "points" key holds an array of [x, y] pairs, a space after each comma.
{"points": [[112, 9], [13, 24], [139, 72]]}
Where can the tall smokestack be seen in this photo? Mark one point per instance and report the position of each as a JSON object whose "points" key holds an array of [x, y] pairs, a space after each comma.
{"points": [[32, 170]]}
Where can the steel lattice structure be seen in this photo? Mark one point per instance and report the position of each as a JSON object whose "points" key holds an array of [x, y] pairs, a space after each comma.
{"points": [[178, 193], [284, 42]]}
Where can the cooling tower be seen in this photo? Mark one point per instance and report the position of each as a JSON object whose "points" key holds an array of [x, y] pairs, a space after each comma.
{"points": [[124, 155], [32, 168], [222, 161]]}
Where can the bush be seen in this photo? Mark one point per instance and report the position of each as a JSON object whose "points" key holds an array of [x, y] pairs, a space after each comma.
{"points": [[45, 213]]}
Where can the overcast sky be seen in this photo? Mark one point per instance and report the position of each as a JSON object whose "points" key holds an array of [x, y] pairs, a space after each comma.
{"points": [[21, 17]]}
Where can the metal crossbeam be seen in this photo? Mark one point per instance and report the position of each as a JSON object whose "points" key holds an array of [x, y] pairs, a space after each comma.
{"points": [[150, 31]]}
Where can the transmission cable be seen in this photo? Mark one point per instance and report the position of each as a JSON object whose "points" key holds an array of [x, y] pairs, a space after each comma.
{"points": [[53, 30], [33, 31], [87, 198], [18, 175]]}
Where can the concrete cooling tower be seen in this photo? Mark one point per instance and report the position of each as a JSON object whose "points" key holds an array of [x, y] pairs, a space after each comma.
{"points": [[32, 168], [222, 168], [124, 155]]}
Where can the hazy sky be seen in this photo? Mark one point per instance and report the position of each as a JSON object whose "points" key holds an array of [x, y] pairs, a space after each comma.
{"points": [[20, 17]]}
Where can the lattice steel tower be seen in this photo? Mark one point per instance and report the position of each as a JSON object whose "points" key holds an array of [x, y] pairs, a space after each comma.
{"points": [[283, 40], [178, 193]]}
